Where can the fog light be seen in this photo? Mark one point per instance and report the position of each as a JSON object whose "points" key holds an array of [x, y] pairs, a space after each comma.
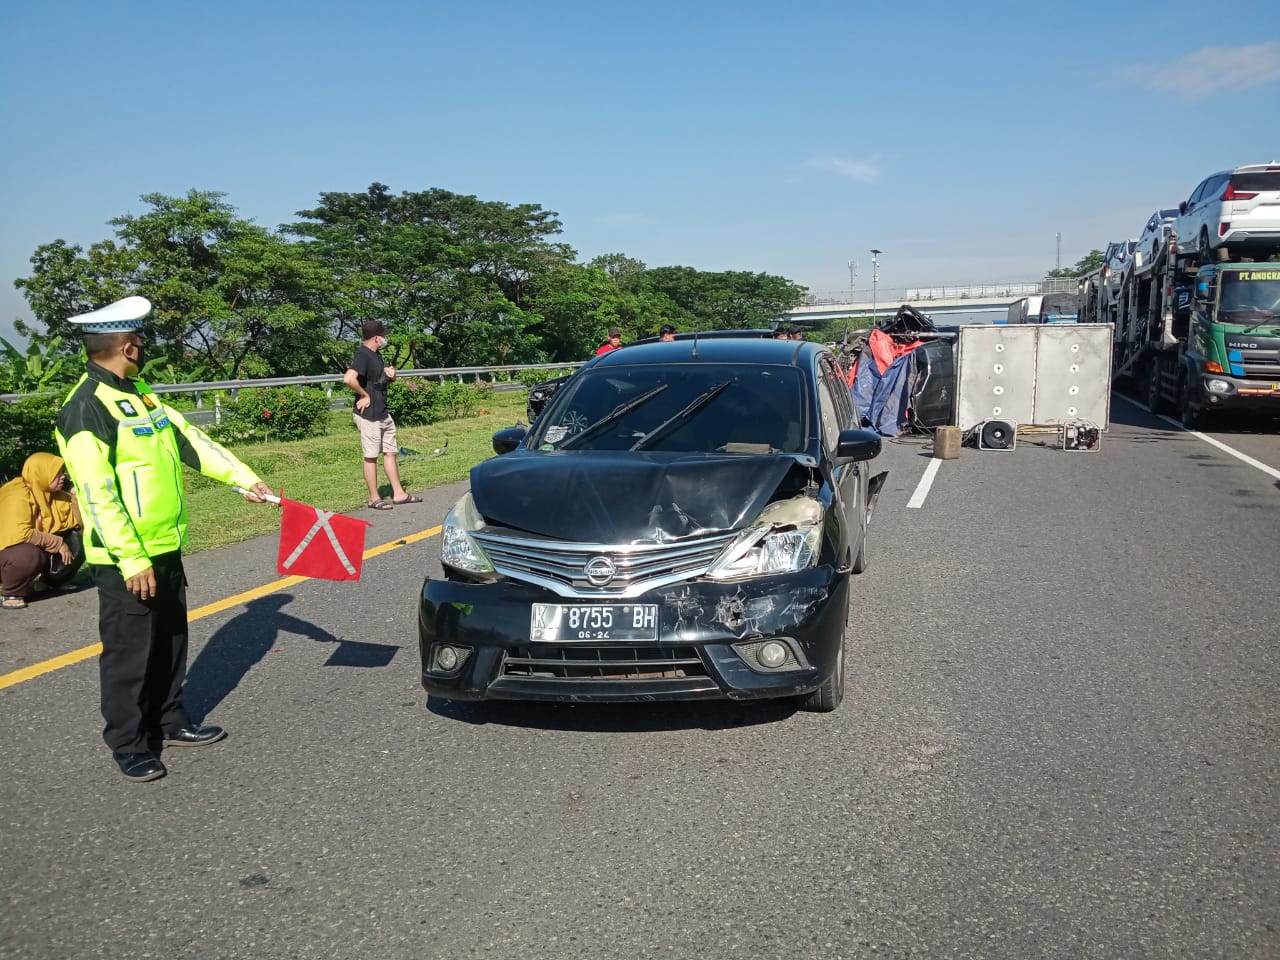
{"points": [[772, 654], [446, 658], [1217, 386]]}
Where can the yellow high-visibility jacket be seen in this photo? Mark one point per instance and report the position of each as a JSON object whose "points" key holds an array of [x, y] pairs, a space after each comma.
{"points": [[124, 450]]}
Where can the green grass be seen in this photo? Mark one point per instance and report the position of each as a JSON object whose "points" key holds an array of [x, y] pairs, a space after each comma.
{"points": [[326, 471]]}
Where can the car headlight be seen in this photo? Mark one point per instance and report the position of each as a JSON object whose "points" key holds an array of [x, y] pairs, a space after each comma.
{"points": [[457, 547], [785, 537]]}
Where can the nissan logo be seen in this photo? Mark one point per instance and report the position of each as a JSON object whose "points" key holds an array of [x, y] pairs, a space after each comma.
{"points": [[600, 571]]}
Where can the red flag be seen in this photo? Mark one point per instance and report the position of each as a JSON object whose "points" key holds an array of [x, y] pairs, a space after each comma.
{"points": [[320, 544]]}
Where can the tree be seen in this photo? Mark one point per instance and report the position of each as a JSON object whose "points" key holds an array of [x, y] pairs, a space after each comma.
{"points": [[1087, 264], [66, 281], [229, 295], [578, 304], [452, 276], [231, 299], [732, 300]]}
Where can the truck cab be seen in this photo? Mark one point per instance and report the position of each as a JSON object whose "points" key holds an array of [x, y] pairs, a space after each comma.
{"points": [[1232, 358]]}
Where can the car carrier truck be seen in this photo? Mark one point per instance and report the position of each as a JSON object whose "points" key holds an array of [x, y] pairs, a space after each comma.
{"points": [[1194, 338]]}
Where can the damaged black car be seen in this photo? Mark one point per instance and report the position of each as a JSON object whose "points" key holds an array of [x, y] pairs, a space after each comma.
{"points": [[680, 523]]}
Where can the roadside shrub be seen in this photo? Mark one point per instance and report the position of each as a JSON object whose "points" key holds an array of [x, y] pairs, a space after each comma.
{"points": [[412, 403], [273, 413], [417, 403], [26, 427], [455, 400]]}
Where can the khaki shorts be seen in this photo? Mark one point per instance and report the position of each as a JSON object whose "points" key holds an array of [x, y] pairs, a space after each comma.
{"points": [[377, 436]]}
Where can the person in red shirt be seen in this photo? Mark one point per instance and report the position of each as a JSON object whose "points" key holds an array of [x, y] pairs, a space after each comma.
{"points": [[613, 343]]}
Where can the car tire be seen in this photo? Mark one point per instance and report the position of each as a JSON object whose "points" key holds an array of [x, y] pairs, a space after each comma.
{"points": [[828, 696], [1202, 247], [1156, 402], [1192, 418]]}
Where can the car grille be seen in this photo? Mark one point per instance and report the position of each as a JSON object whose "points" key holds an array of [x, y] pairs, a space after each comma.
{"points": [[546, 662], [560, 566]]}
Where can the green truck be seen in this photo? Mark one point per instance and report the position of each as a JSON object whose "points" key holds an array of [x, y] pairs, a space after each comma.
{"points": [[1194, 338]]}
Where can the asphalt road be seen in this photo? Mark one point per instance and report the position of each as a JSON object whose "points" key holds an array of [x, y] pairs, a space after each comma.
{"points": [[1060, 739]]}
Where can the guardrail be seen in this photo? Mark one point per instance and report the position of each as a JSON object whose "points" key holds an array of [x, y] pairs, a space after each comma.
{"points": [[326, 380]]}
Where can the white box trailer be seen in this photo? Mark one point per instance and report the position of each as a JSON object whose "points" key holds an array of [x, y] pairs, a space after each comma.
{"points": [[1034, 374]]}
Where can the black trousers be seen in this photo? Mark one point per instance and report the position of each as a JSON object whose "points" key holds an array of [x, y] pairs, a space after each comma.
{"points": [[144, 655]]}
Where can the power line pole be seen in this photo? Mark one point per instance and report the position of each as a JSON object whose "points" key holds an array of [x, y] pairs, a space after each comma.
{"points": [[875, 278], [1059, 264], [853, 272]]}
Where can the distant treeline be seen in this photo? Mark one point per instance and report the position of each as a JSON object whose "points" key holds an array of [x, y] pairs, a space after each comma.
{"points": [[459, 281]]}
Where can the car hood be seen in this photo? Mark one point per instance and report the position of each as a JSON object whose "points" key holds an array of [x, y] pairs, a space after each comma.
{"points": [[601, 497]]}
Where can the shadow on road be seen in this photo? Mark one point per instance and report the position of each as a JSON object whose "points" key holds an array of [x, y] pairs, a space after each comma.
{"points": [[1131, 411], [244, 640], [613, 717]]}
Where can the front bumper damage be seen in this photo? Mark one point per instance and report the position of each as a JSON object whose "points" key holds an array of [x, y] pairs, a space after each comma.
{"points": [[708, 634]]}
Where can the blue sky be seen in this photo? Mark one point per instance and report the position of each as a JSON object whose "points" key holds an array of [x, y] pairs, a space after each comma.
{"points": [[958, 139]]}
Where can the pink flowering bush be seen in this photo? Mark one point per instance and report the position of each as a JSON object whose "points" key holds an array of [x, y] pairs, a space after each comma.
{"points": [[274, 413]]}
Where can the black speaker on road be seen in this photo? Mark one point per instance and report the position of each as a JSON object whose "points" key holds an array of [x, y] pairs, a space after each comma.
{"points": [[997, 435]]}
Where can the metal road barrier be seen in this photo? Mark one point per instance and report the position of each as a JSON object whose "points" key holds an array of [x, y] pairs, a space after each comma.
{"points": [[326, 380]]}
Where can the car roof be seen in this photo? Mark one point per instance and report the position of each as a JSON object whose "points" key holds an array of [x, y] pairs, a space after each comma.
{"points": [[710, 349]]}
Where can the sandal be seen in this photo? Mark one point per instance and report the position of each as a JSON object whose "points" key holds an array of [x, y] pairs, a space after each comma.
{"points": [[379, 504], [13, 603], [411, 498]]}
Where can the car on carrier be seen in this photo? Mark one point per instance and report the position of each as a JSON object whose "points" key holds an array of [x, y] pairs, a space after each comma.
{"points": [[1116, 261], [680, 523], [1231, 213], [1154, 237]]}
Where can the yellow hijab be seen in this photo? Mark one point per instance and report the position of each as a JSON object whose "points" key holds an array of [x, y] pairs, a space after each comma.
{"points": [[27, 504]]}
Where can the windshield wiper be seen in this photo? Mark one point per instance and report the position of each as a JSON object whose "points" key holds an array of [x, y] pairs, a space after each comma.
{"points": [[1272, 319], [613, 416], [664, 428]]}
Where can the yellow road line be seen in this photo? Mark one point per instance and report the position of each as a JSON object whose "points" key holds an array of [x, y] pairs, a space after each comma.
{"points": [[208, 610]]}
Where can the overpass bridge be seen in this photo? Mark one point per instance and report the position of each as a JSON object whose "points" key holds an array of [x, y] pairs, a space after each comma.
{"points": [[981, 300]]}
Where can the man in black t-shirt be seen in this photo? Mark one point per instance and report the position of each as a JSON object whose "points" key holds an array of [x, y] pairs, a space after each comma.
{"points": [[368, 376]]}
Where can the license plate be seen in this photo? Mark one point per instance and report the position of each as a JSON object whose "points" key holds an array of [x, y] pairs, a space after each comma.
{"points": [[586, 622]]}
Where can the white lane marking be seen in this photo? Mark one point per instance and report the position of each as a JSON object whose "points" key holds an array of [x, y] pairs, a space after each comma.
{"points": [[922, 488], [1213, 442]]}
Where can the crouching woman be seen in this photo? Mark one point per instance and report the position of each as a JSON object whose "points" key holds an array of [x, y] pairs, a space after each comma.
{"points": [[40, 530]]}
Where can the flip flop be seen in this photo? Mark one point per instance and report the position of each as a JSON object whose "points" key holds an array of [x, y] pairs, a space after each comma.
{"points": [[411, 498], [13, 603], [379, 504]]}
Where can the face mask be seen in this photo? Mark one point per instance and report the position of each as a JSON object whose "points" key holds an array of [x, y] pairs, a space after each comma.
{"points": [[136, 356]]}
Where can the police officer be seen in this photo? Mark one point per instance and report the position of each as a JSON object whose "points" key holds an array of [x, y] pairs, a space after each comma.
{"points": [[124, 450]]}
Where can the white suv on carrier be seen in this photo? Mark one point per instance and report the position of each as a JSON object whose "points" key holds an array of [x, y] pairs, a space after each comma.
{"points": [[1237, 209]]}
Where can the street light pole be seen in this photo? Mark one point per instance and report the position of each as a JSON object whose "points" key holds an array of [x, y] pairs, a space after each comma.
{"points": [[875, 278]]}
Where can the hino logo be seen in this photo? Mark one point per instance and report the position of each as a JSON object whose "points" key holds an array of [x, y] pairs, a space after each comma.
{"points": [[600, 571], [1241, 345]]}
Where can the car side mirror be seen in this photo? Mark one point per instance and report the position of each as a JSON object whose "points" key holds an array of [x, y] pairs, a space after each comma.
{"points": [[1182, 207], [508, 438], [857, 445], [1205, 290]]}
